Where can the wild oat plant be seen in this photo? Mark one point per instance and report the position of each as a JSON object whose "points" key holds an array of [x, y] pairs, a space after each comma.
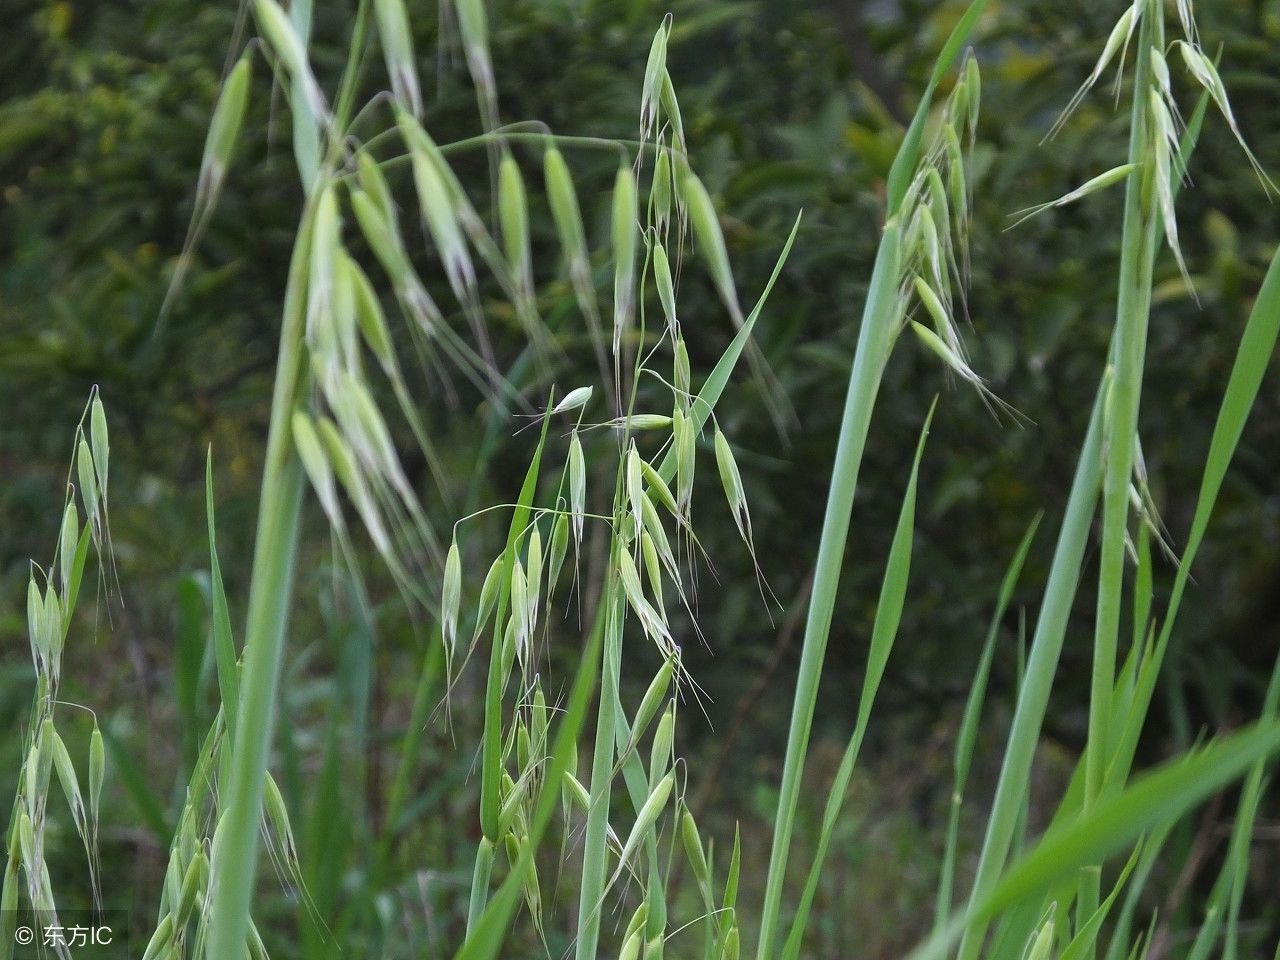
{"points": [[574, 775]]}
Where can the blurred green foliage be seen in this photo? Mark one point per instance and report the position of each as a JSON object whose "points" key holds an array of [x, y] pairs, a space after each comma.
{"points": [[103, 109]]}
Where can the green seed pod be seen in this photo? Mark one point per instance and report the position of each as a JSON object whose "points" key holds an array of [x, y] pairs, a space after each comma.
{"points": [[26, 839], [653, 568], [55, 624], [534, 570], [88, 482], [316, 465], [933, 306], [513, 216], [278, 814], [68, 542], [651, 89], [397, 50], [638, 920], [451, 596], [372, 321], [658, 487], [660, 192], [488, 595], [1042, 946], [939, 347], [731, 948], [68, 780], [563, 200], [653, 528], [647, 816], [958, 193], [524, 745], [652, 699], [509, 647], [575, 399], [224, 128], [192, 885], [634, 482], [160, 939], [631, 946], [973, 87], [731, 480], [278, 30], [326, 237], [36, 630], [644, 421], [666, 287], [512, 846], [371, 180], [576, 793], [663, 738], [99, 441], [957, 107], [682, 375], [376, 228], [438, 205], [710, 240], [672, 107], [631, 585], [624, 253], [473, 25], [97, 771], [731, 880], [693, 849], [344, 348], [559, 548], [9, 902], [364, 423], [520, 604], [172, 884], [577, 487], [538, 724], [684, 439], [939, 206], [44, 756], [340, 457]]}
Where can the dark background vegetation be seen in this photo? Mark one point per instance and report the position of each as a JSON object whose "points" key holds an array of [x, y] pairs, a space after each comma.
{"points": [[789, 106]]}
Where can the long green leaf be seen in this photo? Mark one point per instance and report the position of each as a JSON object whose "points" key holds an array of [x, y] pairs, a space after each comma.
{"points": [[969, 722], [1112, 824], [884, 631]]}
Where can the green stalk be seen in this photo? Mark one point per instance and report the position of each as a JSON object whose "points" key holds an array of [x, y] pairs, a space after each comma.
{"points": [[880, 317], [1145, 666], [874, 340], [884, 632], [1064, 573], [594, 867], [480, 876], [235, 848], [1138, 250], [1042, 664]]}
